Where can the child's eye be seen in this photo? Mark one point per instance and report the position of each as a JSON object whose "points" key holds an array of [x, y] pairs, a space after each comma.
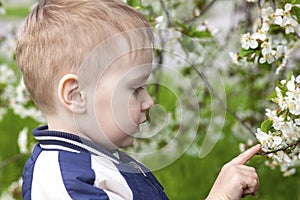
{"points": [[138, 90]]}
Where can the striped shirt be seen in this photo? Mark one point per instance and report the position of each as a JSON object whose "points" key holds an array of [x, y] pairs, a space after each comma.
{"points": [[65, 166]]}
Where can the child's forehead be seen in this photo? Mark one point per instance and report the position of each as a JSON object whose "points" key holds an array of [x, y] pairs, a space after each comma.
{"points": [[130, 69], [141, 58], [120, 53]]}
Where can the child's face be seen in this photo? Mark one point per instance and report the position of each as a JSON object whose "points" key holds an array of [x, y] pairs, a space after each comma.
{"points": [[121, 97]]}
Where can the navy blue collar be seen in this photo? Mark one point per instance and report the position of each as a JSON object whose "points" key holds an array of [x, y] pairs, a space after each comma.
{"points": [[56, 140]]}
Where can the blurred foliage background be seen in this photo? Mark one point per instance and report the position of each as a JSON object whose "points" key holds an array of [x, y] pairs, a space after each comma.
{"points": [[216, 25]]}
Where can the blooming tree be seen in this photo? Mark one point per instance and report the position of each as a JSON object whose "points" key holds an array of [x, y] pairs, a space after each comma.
{"points": [[194, 107], [271, 45], [274, 40], [280, 133]]}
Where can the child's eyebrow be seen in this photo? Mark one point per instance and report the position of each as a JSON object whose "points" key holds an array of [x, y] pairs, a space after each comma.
{"points": [[140, 78]]}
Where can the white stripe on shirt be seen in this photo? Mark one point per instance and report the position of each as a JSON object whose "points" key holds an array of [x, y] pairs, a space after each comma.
{"points": [[110, 179], [46, 177]]}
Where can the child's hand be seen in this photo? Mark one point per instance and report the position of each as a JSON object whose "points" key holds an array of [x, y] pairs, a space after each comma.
{"points": [[236, 180]]}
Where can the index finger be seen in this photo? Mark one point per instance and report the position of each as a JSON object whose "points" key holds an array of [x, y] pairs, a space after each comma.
{"points": [[247, 155]]}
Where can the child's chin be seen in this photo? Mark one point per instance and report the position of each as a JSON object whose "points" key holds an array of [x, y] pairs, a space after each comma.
{"points": [[137, 129], [129, 143]]}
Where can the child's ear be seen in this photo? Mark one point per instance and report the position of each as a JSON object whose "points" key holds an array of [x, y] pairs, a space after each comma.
{"points": [[70, 94]]}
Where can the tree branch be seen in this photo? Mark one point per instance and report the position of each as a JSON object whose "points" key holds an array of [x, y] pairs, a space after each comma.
{"points": [[166, 11], [281, 149], [203, 11], [224, 105], [297, 35], [260, 13], [273, 4], [159, 66], [10, 160]]}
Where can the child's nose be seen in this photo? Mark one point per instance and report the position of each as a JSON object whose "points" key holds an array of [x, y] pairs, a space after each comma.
{"points": [[147, 103]]}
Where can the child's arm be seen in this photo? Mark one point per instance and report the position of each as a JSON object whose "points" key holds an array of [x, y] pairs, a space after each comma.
{"points": [[235, 179]]}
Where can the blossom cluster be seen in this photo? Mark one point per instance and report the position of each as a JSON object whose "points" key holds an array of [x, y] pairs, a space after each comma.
{"points": [[272, 45], [13, 190], [14, 96], [13, 93], [273, 40], [8, 42], [280, 133]]}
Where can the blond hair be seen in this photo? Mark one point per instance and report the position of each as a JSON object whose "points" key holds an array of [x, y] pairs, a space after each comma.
{"points": [[57, 36]]}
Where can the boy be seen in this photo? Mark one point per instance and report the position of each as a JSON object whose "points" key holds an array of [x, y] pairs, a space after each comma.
{"points": [[85, 64]]}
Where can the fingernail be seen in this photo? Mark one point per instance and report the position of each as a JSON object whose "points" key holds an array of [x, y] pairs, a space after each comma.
{"points": [[258, 145]]}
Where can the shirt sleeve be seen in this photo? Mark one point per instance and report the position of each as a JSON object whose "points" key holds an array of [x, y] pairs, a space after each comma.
{"points": [[66, 175]]}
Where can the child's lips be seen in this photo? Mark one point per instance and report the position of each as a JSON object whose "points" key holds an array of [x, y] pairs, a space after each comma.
{"points": [[136, 130], [143, 121], [138, 126]]}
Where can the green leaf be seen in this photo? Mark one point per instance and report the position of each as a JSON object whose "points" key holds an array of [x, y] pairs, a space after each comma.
{"points": [[192, 31], [295, 1], [272, 96], [274, 29], [244, 52], [134, 3], [296, 12], [176, 5], [187, 44], [265, 66], [289, 76], [18, 12], [266, 125], [283, 88], [201, 34]]}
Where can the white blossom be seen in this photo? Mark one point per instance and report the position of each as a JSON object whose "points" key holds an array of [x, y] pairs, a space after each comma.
{"points": [[268, 57], [267, 15], [278, 121], [248, 41], [242, 147], [2, 11], [280, 99], [281, 57], [297, 79], [297, 121], [12, 189], [7, 196], [3, 111], [280, 51], [268, 54], [8, 46], [22, 95], [288, 7], [23, 140], [234, 57], [260, 35], [291, 84], [277, 140], [159, 21], [283, 156], [289, 172], [7, 75], [263, 138], [285, 19], [293, 97], [278, 17]]}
